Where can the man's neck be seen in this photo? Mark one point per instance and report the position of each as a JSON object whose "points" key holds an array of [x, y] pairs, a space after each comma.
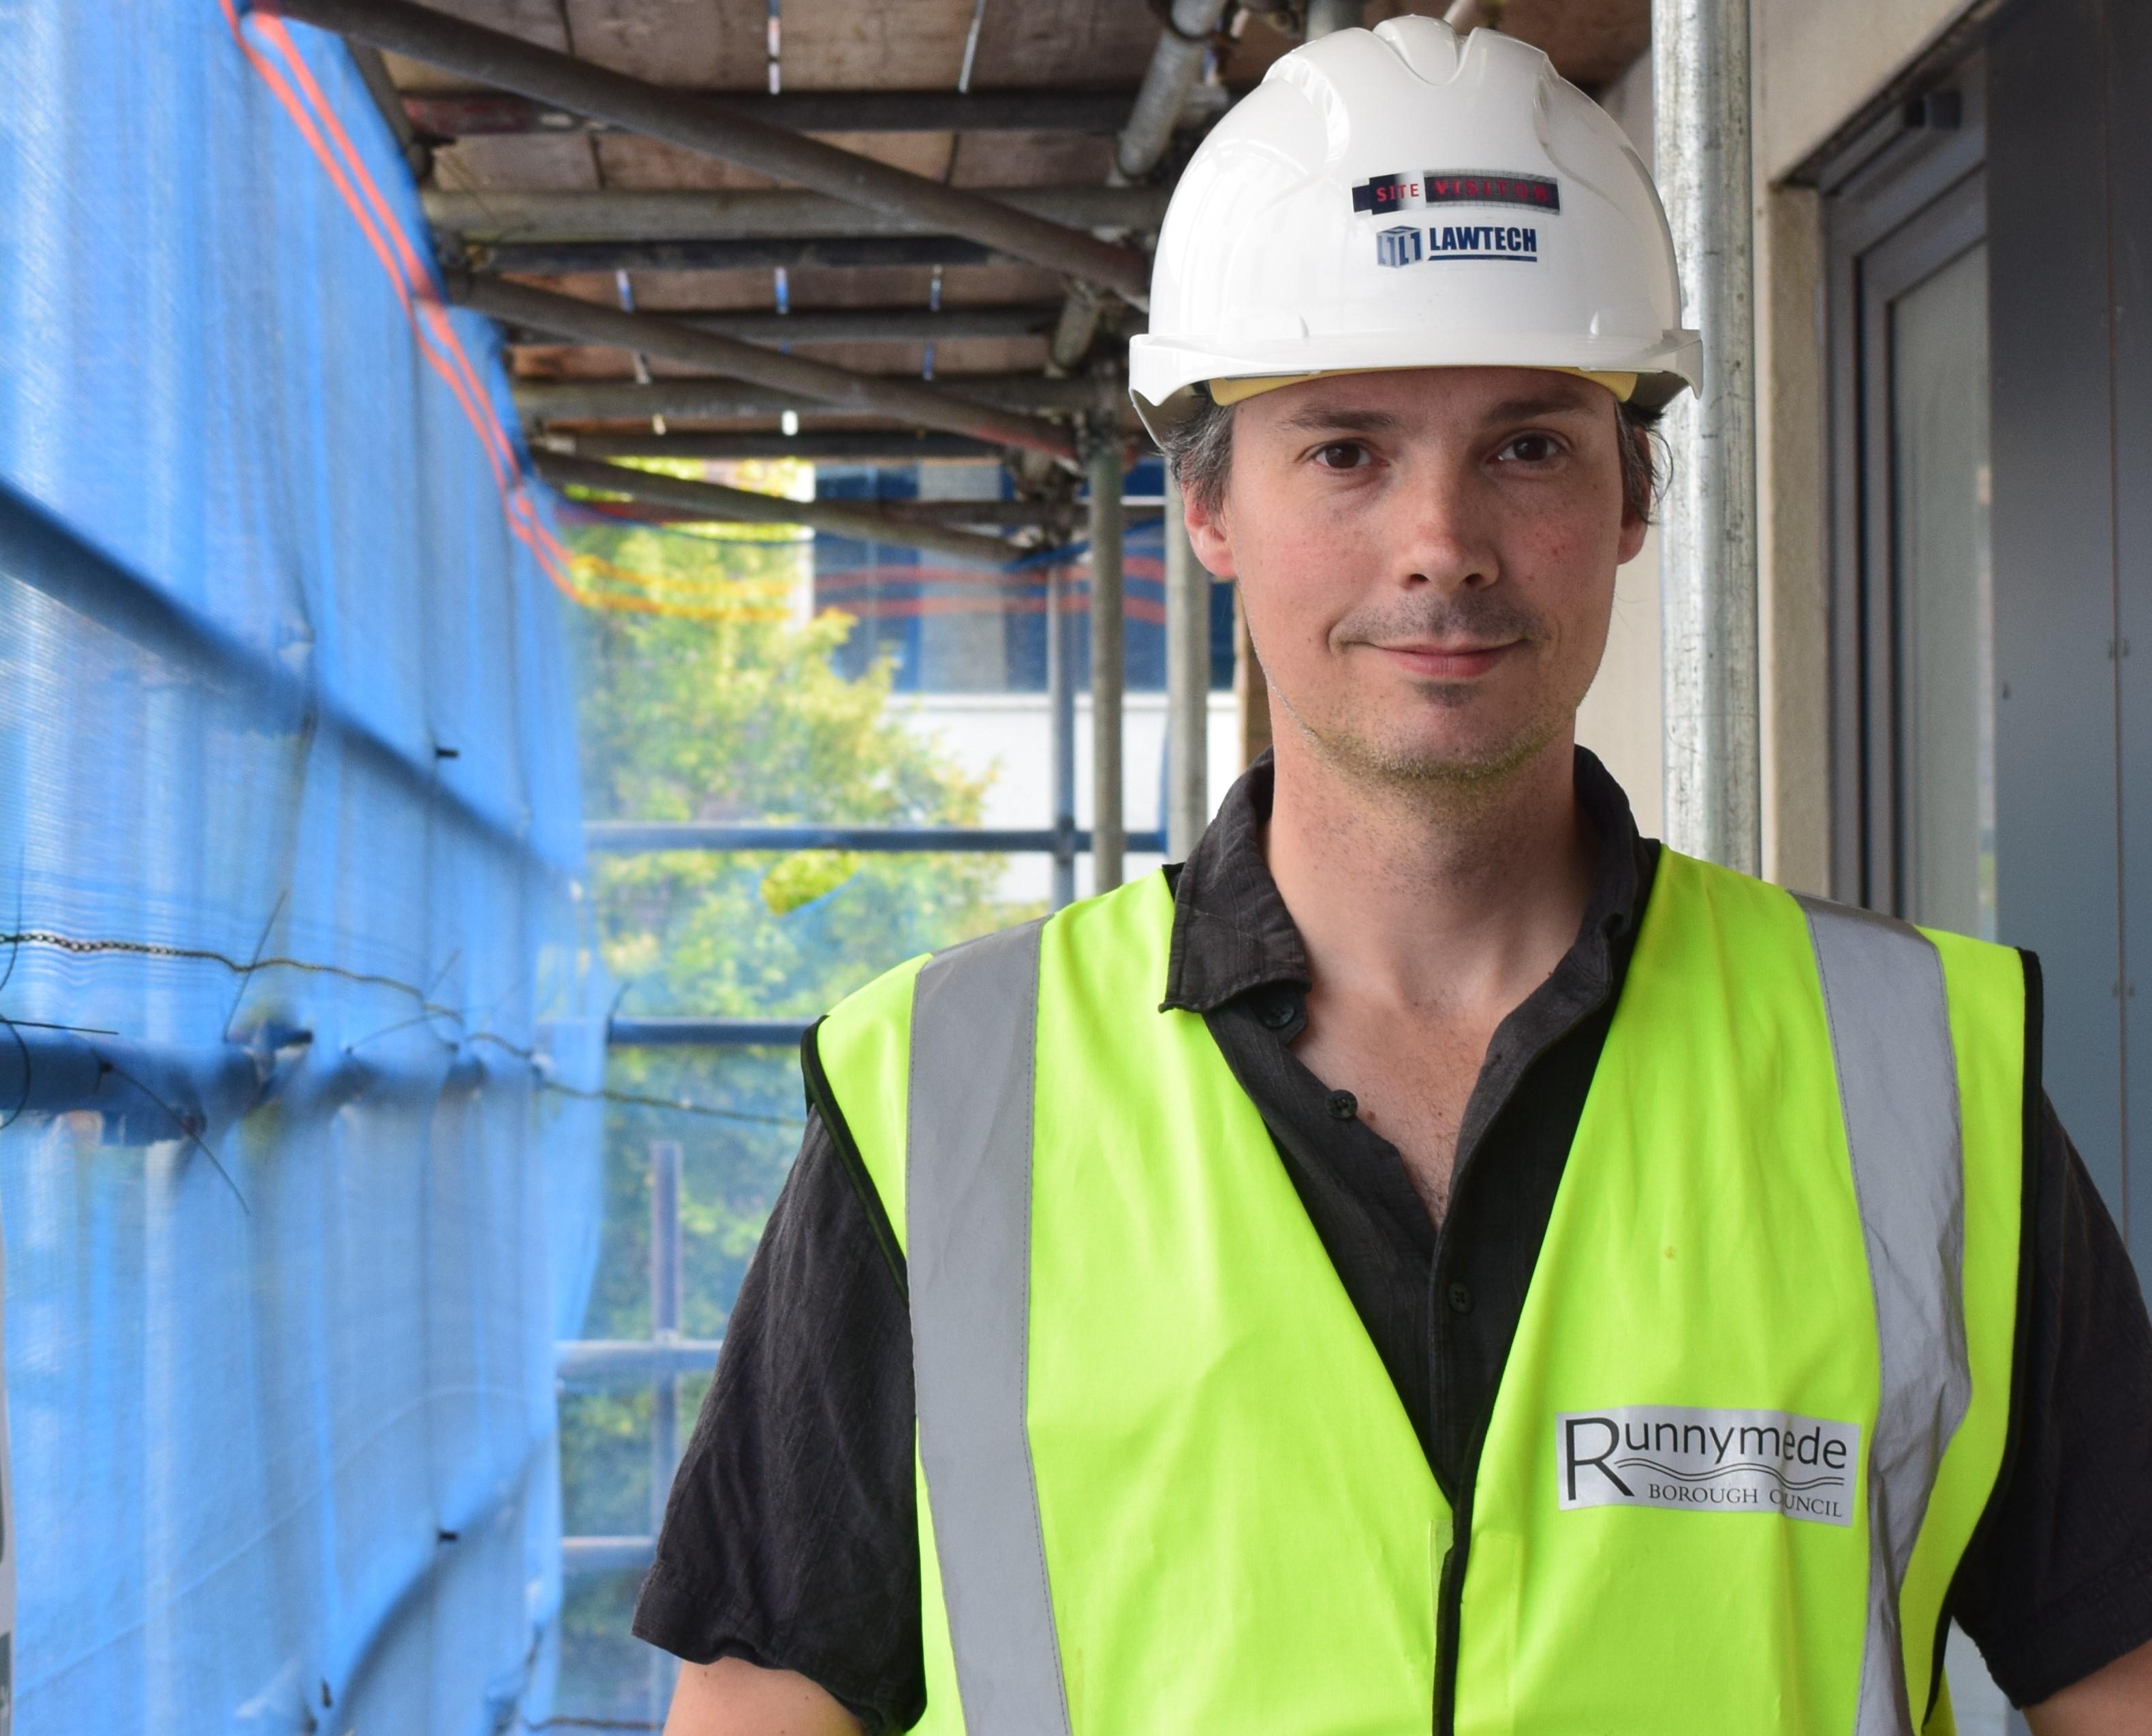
{"points": [[1441, 898]]}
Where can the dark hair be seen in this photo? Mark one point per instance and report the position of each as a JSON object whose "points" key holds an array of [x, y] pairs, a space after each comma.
{"points": [[1643, 461], [1200, 452]]}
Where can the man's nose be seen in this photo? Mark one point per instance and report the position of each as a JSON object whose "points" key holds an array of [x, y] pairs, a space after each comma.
{"points": [[1445, 542]]}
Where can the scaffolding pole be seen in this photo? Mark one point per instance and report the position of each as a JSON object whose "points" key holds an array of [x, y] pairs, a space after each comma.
{"points": [[448, 114], [1061, 716], [1176, 74], [701, 397], [670, 214], [633, 837], [665, 1288], [665, 1291], [1708, 540], [1187, 686], [720, 504], [1109, 672], [1325, 16]]}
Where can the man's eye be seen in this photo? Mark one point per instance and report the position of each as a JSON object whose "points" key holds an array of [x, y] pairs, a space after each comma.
{"points": [[1531, 449], [1342, 455]]}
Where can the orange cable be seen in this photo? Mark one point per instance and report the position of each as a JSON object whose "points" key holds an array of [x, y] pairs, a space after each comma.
{"points": [[522, 521]]}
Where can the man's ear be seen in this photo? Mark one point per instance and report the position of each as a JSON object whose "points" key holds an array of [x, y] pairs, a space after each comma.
{"points": [[1208, 536], [1634, 530]]}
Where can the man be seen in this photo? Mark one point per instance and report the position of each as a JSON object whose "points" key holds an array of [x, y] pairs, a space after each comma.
{"points": [[1437, 1261]]}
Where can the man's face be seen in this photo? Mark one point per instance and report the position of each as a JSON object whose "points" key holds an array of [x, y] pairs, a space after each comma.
{"points": [[1427, 559]]}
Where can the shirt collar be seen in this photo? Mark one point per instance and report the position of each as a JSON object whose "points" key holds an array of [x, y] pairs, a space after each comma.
{"points": [[1232, 932]]}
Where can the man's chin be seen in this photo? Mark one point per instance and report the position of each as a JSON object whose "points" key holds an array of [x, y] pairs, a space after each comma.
{"points": [[1449, 757]]}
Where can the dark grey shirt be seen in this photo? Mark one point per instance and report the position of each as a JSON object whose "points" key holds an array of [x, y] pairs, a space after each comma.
{"points": [[790, 1538]]}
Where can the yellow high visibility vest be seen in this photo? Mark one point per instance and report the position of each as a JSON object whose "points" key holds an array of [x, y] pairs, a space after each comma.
{"points": [[1756, 1403]]}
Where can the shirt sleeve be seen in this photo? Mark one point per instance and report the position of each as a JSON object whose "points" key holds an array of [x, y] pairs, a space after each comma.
{"points": [[790, 1537], [2058, 1582]]}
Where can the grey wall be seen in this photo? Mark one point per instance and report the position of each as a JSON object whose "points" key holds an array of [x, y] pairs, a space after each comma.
{"points": [[1817, 61], [2126, 54], [2069, 199]]}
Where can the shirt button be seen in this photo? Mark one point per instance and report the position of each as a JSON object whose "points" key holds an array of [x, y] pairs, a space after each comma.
{"points": [[1344, 1105], [1278, 1013], [1460, 1299]]}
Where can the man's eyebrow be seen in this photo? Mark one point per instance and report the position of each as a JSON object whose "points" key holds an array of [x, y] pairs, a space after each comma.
{"points": [[1316, 420], [1551, 403], [1346, 418]]}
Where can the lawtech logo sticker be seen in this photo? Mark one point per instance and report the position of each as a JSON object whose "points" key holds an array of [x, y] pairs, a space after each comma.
{"points": [[1486, 243], [1736, 1461]]}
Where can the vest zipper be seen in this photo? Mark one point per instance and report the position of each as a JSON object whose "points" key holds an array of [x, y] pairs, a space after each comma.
{"points": [[1449, 1607]]}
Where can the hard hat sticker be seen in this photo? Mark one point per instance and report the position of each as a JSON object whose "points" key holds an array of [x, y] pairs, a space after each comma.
{"points": [[1383, 193], [1403, 244], [1399, 247]]}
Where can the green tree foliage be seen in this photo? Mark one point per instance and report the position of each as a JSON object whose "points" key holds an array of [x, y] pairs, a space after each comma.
{"points": [[742, 718], [735, 714]]}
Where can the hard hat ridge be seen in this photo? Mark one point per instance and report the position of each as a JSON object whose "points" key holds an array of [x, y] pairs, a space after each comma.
{"points": [[1402, 198]]}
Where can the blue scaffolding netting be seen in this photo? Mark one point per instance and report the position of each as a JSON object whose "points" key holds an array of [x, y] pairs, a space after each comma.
{"points": [[299, 1020]]}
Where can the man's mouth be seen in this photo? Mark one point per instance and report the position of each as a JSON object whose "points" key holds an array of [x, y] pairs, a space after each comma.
{"points": [[1438, 660]]}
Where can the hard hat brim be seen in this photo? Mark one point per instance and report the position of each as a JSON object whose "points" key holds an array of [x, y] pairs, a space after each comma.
{"points": [[1164, 374]]}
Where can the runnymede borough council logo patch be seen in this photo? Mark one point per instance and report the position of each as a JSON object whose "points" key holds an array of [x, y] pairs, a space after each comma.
{"points": [[1699, 1460]]}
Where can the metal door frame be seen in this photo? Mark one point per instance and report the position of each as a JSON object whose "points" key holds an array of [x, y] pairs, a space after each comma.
{"points": [[1902, 201]]}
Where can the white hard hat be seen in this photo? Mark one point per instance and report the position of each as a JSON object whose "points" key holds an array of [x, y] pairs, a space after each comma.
{"points": [[1403, 198]]}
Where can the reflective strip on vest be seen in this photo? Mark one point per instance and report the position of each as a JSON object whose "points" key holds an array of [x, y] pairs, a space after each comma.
{"points": [[1897, 1081], [968, 1207]]}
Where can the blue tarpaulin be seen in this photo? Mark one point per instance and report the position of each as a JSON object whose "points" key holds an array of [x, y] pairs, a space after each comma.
{"points": [[299, 1176]]}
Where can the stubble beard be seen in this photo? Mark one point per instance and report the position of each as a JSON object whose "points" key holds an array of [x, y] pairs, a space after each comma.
{"points": [[1471, 772], [1468, 774]]}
